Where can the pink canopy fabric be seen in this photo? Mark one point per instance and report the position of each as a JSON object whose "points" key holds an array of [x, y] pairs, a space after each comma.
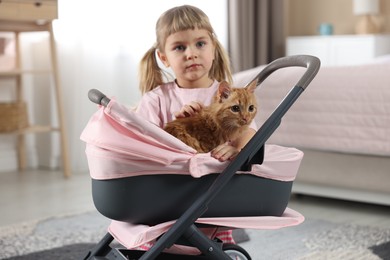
{"points": [[120, 143]]}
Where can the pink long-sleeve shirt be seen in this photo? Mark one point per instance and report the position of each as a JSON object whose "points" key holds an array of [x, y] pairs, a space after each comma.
{"points": [[160, 104]]}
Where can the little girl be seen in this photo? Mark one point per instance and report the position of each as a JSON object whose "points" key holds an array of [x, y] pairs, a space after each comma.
{"points": [[186, 43]]}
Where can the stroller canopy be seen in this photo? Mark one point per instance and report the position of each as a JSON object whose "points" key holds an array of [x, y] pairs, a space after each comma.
{"points": [[120, 144]]}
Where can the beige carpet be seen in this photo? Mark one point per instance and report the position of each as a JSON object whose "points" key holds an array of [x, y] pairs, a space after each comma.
{"points": [[68, 237]]}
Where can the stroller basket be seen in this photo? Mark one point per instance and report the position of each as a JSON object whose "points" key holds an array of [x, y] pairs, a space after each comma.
{"points": [[167, 197], [163, 195]]}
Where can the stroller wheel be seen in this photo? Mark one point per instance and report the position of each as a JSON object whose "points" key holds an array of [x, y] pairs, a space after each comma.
{"points": [[236, 252]]}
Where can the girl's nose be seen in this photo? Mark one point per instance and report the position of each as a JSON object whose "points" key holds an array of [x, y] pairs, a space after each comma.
{"points": [[191, 53]]}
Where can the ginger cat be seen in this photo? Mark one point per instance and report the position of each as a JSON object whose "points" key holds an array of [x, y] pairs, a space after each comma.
{"points": [[231, 112]]}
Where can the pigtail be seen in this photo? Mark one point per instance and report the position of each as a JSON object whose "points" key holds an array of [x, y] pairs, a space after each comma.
{"points": [[221, 69], [150, 74]]}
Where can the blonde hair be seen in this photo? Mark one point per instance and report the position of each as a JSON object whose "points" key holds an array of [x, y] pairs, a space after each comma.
{"points": [[174, 20]]}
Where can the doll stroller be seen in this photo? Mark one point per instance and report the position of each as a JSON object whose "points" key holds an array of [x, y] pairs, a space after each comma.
{"points": [[155, 188]]}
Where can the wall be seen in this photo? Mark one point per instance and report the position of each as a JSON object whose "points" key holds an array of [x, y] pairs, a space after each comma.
{"points": [[97, 47], [304, 16]]}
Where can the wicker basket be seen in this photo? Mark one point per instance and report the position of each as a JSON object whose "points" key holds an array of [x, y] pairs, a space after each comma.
{"points": [[13, 116]]}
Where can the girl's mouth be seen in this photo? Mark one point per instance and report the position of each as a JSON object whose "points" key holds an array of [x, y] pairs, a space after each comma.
{"points": [[193, 66]]}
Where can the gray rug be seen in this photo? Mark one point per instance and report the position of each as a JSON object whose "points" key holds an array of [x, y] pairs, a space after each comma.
{"points": [[320, 240], [70, 237]]}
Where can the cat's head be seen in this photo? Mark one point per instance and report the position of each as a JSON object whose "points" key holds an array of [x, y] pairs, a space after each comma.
{"points": [[236, 106]]}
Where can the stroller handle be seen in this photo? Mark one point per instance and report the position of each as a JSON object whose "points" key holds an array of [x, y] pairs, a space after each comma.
{"points": [[200, 206], [185, 224], [98, 97], [312, 64]]}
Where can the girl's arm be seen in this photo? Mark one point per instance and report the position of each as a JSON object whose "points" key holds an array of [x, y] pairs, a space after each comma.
{"points": [[228, 151], [244, 138], [149, 108]]}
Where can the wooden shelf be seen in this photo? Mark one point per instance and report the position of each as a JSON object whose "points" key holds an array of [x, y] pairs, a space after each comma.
{"points": [[27, 15], [33, 130], [39, 129], [14, 73], [24, 17]]}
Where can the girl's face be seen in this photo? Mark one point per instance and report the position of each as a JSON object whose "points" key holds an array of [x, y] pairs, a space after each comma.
{"points": [[190, 54]]}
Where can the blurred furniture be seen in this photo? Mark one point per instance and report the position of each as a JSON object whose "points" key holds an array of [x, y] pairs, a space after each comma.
{"points": [[339, 50], [33, 16], [342, 125], [366, 9]]}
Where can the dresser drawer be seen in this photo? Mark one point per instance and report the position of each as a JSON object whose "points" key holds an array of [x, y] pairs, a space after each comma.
{"points": [[28, 10], [340, 50]]}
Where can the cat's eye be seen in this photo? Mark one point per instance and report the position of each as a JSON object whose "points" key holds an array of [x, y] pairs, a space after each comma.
{"points": [[251, 108], [235, 108]]}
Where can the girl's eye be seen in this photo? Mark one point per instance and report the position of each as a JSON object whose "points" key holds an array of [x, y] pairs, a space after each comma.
{"points": [[235, 108], [251, 108], [180, 48], [200, 44]]}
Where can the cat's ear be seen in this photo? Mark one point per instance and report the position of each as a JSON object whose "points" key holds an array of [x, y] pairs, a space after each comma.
{"points": [[252, 86], [224, 90]]}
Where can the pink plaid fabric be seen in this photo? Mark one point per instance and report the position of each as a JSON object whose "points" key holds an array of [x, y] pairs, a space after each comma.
{"points": [[226, 236]]}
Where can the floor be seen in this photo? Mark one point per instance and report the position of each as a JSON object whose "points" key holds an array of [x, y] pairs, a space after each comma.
{"points": [[33, 195], [38, 194]]}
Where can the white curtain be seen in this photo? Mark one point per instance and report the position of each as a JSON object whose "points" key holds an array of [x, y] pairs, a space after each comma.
{"points": [[99, 45]]}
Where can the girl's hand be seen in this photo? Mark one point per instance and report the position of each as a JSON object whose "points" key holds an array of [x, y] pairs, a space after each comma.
{"points": [[189, 109], [229, 150], [224, 152]]}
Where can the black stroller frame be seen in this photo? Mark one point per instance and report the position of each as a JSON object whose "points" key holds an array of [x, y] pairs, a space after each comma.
{"points": [[185, 229]]}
